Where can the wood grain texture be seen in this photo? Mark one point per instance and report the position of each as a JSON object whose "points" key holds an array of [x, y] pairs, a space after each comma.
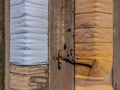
{"points": [[99, 55], [60, 20], [91, 20], [91, 6], [1, 47], [91, 35], [29, 78], [93, 50], [95, 87], [93, 44], [7, 42], [90, 83]]}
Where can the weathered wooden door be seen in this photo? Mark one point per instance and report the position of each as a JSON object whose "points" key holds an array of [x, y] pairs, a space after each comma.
{"points": [[61, 29]]}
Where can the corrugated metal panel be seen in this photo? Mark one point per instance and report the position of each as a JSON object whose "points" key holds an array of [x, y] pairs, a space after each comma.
{"points": [[28, 32]]}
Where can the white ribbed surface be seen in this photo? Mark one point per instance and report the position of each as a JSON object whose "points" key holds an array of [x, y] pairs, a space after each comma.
{"points": [[29, 32]]}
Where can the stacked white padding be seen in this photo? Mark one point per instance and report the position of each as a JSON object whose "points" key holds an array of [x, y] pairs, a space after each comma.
{"points": [[28, 32]]}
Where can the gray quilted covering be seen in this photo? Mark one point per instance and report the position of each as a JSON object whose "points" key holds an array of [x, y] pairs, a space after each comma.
{"points": [[28, 32]]}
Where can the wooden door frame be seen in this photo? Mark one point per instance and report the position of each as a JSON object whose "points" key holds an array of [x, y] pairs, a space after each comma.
{"points": [[59, 12]]}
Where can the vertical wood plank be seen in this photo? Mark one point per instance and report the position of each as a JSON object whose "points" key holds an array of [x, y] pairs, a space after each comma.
{"points": [[94, 44], [69, 37], [1, 46], [116, 64], [60, 19], [7, 42]]}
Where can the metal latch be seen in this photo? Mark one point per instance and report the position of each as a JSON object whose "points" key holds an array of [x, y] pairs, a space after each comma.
{"points": [[66, 56], [69, 56]]}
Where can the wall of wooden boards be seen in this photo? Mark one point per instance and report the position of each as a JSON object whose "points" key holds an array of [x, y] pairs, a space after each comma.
{"points": [[94, 44], [93, 40]]}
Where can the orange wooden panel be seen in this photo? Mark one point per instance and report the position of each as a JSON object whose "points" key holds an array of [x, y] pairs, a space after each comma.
{"points": [[90, 6], [98, 35], [91, 20]]}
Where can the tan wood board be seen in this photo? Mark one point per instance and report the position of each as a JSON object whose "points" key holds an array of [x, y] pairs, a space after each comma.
{"points": [[91, 20], [99, 54], [90, 83], [29, 78], [91, 6], [92, 35], [95, 87], [93, 44], [93, 49]]}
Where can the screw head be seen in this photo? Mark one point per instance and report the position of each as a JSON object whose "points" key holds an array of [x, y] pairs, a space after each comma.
{"points": [[68, 30]]}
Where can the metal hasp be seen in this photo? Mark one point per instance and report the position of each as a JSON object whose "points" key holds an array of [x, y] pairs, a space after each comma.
{"points": [[65, 55], [69, 57], [61, 41]]}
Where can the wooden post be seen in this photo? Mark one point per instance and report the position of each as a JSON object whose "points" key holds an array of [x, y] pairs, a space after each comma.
{"points": [[61, 30], [116, 64], [7, 41], [1, 46]]}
